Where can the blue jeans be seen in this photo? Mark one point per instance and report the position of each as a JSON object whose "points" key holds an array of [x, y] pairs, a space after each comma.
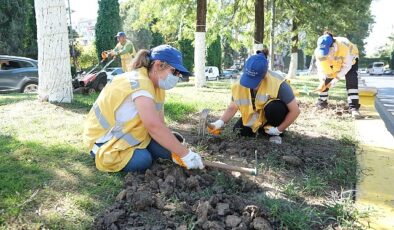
{"points": [[142, 159]]}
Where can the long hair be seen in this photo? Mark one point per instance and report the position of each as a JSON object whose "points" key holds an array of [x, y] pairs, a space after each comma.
{"points": [[141, 59]]}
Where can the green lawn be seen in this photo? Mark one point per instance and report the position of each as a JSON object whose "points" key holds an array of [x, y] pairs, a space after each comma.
{"points": [[48, 180]]}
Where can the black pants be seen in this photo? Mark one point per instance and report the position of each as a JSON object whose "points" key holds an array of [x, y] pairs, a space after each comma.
{"points": [[351, 88], [275, 113]]}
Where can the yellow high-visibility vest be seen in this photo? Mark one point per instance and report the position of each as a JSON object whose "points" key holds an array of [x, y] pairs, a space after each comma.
{"points": [[267, 91], [332, 64], [116, 153]]}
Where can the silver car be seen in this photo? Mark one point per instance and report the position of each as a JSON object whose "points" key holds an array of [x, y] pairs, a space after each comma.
{"points": [[18, 74]]}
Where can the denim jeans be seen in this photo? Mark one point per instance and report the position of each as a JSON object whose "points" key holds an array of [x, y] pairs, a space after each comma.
{"points": [[142, 159]]}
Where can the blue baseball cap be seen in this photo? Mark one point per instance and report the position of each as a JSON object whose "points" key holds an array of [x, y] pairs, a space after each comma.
{"points": [[254, 71], [119, 34], [172, 56], [323, 44]]}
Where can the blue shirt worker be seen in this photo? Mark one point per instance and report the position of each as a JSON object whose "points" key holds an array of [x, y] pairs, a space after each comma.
{"points": [[265, 100], [125, 129], [336, 59]]}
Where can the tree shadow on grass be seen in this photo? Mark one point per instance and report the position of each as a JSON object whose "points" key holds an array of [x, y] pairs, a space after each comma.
{"points": [[57, 186], [11, 98]]}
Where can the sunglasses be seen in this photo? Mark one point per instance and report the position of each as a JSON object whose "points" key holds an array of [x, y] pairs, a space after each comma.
{"points": [[175, 72]]}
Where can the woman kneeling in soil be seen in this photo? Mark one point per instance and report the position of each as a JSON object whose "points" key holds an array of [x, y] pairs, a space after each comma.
{"points": [[265, 100], [125, 128]]}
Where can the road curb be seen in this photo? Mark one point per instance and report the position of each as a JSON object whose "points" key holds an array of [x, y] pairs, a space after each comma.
{"points": [[385, 107]]}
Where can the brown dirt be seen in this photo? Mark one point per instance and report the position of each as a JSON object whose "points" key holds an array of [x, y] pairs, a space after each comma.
{"points": [[169, 197]]}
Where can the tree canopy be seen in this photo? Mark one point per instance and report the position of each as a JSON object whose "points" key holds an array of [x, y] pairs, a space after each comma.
{"points": [[108, 24]]}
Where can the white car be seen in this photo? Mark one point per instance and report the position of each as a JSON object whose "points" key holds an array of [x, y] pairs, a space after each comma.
{"points": [[211, 73], [112, 72]]}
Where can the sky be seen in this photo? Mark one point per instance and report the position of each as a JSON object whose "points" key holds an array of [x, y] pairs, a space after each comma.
{"points": [[381, 9], [383, 27]]}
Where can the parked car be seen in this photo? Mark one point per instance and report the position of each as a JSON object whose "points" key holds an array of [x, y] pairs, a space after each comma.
{"points": [[226, 74], [231, 73], [388, 72], [112, 72], [211, 73], [362, 70], [376, 68], [18, 74]]}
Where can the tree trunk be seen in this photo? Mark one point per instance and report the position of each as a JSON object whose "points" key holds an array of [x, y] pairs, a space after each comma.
{"points": [[258, 25], [199, 45], [294, 49], [53, 51], [272, 54]]}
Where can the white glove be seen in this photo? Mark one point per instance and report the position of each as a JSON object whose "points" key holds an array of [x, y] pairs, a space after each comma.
{"points": [[191, 161], [273, 131], [333, 82], [218, 124]]}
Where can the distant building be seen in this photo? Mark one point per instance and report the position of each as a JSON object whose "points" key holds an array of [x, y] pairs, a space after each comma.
{"points": [[85, 29]]}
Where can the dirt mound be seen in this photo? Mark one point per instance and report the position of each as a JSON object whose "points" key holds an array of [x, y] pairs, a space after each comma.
{"points": [[169, 197]]}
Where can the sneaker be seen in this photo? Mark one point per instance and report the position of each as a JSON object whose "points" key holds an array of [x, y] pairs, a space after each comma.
{"points": [[356, 114], [321, 104]]}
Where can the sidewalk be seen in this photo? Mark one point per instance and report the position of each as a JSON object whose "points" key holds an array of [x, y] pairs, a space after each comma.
{"points": [[375, 189]]}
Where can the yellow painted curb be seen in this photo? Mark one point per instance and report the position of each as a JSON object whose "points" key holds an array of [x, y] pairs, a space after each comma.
{"points": [[375, 190]]}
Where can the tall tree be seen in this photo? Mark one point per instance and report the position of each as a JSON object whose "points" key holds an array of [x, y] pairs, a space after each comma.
{"points": [[258, 25], [294, 49], [199, 46], [187, 49], [53, 51], [108, 24], [12, 24], [214, 54], [30, 32], [272, 34]]}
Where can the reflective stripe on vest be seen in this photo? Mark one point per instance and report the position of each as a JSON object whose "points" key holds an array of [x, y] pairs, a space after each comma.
{"points": [[118, 134], [100, 117], [254, 118], [127, 137], [240, 102], [134, 84], [262, 98]]}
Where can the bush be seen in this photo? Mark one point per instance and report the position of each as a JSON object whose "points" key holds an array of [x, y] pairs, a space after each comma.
{"points": [[88, 56]]}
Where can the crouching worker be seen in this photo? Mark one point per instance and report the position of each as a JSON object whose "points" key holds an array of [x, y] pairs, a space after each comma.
{"points": [[125, 128], [265, 100]]}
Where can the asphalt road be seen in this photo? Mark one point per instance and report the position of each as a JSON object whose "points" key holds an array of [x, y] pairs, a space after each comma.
{"points": [[384, 102]]}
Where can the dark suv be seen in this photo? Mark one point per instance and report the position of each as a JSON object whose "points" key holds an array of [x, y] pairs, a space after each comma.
{"points": [[18, 74]]}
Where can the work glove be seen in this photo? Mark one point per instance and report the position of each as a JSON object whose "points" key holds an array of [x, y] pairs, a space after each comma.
{"points": [[273, 131], [216, 127], [191, 161], [333, 82]]}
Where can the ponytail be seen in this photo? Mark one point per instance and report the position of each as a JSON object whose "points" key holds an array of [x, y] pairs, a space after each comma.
{"points": [[142, 59]]}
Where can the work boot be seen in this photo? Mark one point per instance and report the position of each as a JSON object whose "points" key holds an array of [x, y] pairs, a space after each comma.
{"points": [[356, 114], [321, 104]]}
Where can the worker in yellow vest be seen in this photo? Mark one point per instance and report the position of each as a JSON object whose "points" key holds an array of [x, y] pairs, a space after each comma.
{"points": [[124, 49], [337, 58], [265, 100], [125, 129]]}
